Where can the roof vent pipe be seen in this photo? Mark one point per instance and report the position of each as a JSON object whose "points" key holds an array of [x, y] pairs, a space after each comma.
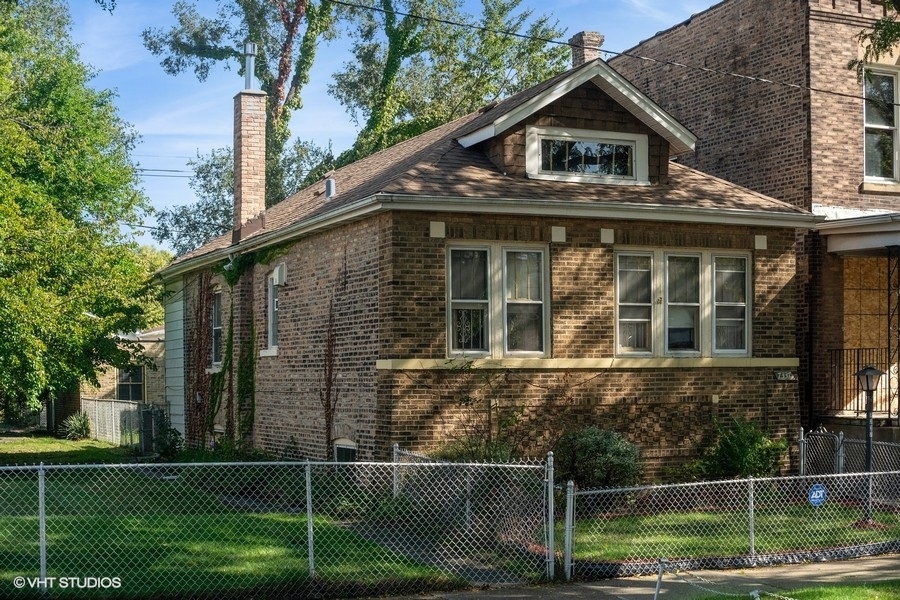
{"points": [[249, 64], [330, 188]]}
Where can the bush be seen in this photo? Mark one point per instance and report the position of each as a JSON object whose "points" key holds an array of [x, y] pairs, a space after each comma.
{"points": [[76, 427], [744, 450], [740, 450], [168, 442], [594, 457]]}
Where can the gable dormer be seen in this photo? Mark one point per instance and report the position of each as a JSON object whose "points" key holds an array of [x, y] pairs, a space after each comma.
{"points": [[588, 125]]}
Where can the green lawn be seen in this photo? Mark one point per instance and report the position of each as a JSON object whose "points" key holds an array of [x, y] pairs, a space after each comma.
{"points": [[698, 534], [165, 535], [885, 590], [35, 448]]}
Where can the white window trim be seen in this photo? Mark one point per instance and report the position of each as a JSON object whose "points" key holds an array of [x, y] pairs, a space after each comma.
{"points": [[534, 135], [215, 365], [345, 443], [659, 314], [895, 74], [274, 280], [496, 317]]}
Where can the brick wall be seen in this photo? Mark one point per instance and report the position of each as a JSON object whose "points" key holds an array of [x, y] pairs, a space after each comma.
{"points": [[750, 132], [664, 410], [386, 278]]}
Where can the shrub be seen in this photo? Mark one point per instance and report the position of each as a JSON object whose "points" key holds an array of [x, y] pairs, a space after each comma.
{"points": [[76, 427], [744, 450], [594, 457], [474, 449], [168, 442]]}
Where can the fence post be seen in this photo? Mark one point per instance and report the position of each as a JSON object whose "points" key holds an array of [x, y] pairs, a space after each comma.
{"points": [[570, 526], [752, 521], [309, 521], [551, 521], [42, 522], [802, 443], [839, 455], [396, 470]]}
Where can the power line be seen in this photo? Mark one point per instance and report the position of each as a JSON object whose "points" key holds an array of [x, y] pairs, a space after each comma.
{"points": [[600, 49]]}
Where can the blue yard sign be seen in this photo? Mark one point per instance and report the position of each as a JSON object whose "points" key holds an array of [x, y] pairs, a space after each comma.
{"points": [[817, 494]]}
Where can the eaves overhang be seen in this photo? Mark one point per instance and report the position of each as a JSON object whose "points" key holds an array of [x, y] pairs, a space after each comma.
{"points": [[681, 139], [379, 203], [867, 234]]}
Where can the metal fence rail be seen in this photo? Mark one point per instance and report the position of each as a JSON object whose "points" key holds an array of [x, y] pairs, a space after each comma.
{"points": [[114, 421], [823, 452], [268, 529], [731, 524]]}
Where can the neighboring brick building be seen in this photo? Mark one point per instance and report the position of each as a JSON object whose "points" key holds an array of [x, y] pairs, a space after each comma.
{"points": [[539, 263], [141, 384], [766, 88]]}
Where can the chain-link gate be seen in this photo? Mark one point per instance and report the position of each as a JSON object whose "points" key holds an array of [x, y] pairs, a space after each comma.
{"points": [[268, 529]]}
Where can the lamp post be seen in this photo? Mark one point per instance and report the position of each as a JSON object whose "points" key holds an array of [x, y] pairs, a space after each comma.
{"points": [[868, 379]]}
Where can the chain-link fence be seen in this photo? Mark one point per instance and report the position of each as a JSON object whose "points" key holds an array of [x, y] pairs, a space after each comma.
{"points": [[269, 529], [823, 452], [730, 524]]}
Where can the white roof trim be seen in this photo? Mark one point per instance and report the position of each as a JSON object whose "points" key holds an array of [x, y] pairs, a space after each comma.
{"points": [[512, 206], [607, 79]]}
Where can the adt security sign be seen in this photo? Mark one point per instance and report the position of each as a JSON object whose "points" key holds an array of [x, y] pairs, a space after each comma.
{"points": [[817, 494]]}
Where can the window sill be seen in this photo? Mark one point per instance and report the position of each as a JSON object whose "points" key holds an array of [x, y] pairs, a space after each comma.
{"points": [[880, 187], [415, 364], [271, 351], [214, 369]]}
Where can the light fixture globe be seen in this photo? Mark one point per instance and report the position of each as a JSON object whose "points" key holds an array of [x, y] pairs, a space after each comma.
{"points": [[868, 378]]}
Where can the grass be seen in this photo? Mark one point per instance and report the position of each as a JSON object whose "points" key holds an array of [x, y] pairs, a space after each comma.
{"points": [[885, 590], [35, 448], [170, 532], [699, 534]]}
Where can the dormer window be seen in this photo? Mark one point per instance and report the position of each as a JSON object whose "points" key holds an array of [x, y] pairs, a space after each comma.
{"points": [[586, 155]]}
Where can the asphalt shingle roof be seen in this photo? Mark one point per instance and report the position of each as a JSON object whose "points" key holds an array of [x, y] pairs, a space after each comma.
{"points": [[435, 165]]}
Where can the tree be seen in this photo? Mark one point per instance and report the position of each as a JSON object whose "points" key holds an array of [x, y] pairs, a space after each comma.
{"points": [[414, 73], [881, 40], [69, 281], [286, 51], [189, 226]]}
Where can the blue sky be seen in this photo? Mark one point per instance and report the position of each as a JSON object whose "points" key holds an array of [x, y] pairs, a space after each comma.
{"points": [[177, 117]]}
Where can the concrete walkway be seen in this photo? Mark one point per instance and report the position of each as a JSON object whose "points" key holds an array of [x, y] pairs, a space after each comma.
{"points": [[770, 582]]}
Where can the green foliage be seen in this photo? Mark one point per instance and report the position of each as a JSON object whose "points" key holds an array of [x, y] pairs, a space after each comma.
{"points": [[476, 449], [879, 41], [743, 450], [287, 43], [412, 74], [69, 282], [594, 457], [76, 427], [168, 442], [189, 226]]}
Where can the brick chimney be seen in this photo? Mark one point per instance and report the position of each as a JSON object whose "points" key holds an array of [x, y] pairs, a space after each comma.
{"points": [[585, 47], [249, 153]]}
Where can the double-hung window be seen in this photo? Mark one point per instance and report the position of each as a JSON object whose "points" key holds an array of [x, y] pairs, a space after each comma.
{"points": [[682, 303], [498, 301], [216, 322], [272, 286], [881, 116], [131, 384]]}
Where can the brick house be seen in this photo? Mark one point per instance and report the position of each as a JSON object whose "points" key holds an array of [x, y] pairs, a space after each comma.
{"points": [[536, 265], [796, 126]]}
